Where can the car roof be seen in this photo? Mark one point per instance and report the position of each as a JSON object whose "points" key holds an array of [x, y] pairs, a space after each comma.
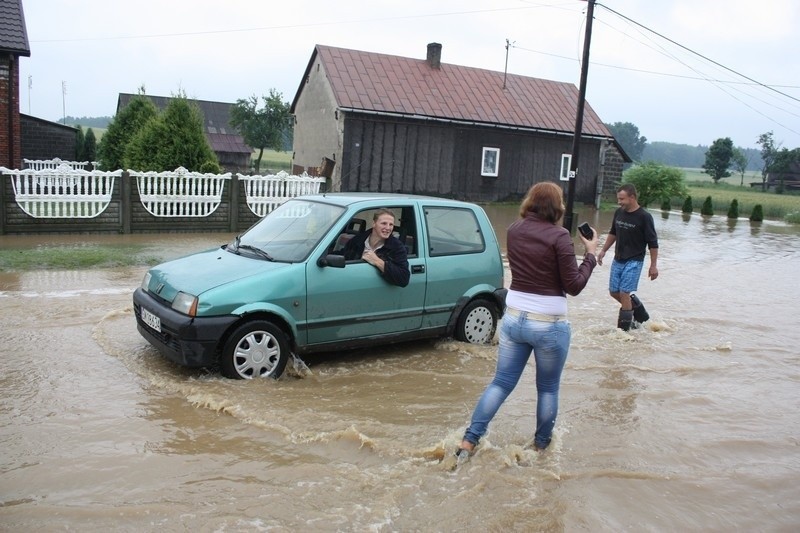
{"points": [[351, 198]]}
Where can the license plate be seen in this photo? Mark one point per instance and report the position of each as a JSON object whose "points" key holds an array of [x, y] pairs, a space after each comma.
{"points": [[151, 320]]}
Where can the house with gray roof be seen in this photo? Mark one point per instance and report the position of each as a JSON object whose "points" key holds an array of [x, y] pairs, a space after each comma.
{"points": [[233, 153], [384, 123], [13, 45]]}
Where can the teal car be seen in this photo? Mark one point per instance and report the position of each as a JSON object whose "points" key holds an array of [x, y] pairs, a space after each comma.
{"points": [[283, 287]]}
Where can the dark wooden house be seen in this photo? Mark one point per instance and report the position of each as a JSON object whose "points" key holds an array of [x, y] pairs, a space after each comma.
{"points": [[13, 45], [233, 153], [376, 122]]}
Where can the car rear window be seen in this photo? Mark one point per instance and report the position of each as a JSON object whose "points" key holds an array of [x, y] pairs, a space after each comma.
{"points": [[453, 230]]}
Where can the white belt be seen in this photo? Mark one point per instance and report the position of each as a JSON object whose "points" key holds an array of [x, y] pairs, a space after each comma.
{"points": [[540, 317]]}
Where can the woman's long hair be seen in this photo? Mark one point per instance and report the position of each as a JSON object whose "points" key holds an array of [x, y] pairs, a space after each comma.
{"points": [[546, 199]]}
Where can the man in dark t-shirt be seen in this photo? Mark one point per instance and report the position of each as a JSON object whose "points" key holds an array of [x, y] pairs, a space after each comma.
{"points": [[633, 231]]}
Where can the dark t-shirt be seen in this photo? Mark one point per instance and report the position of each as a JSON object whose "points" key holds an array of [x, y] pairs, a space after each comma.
{"points": [[634, 232]]}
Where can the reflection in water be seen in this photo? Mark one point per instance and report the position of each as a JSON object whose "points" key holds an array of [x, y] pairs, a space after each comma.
{"points": [[99, 430]]}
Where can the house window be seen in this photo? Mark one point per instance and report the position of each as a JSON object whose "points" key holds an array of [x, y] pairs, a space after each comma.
{"points": [[490, 162]]}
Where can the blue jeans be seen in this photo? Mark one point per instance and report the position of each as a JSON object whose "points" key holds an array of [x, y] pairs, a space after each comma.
{"points": [[519, 337]]}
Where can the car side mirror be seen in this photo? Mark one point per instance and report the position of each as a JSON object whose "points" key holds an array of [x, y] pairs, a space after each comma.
{"points": [[332, 260]]}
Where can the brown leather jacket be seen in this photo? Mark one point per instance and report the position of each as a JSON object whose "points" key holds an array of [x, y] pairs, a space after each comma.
{"points": [[542, 259]]}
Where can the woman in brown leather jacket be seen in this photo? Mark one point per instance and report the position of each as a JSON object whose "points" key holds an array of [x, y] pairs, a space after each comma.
{"points": [[543, 271]]}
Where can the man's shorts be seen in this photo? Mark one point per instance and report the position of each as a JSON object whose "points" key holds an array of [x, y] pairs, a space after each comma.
{"points": [[625, 276]]}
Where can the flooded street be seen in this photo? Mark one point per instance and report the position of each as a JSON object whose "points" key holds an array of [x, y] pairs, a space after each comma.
{"points": [[687, 425]]}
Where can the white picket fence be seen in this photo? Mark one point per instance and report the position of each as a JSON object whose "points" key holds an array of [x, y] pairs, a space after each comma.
{"points": [[62, 192], [180, 193], [69, 192], [265, 193], [43, 164]]}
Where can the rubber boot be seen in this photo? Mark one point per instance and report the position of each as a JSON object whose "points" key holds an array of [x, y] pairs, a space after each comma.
{"points": [[640, 314], [625, 319]]}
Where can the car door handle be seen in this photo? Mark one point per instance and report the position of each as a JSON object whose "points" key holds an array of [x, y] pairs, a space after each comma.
{"points": [[417, 269]]}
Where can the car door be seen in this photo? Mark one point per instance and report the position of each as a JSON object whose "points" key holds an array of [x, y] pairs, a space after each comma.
{"points": [[458, 264], [356, 302]]}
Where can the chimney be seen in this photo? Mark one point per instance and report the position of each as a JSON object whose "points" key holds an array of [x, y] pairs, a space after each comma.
{"points": [[435, 55]]}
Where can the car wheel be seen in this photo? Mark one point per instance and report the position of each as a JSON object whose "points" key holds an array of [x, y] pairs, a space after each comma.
{"points": [[257, 349], [477, 322]]}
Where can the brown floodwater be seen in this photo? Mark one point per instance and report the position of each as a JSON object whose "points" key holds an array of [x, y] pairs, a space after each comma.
{"points": [[689, 424]]}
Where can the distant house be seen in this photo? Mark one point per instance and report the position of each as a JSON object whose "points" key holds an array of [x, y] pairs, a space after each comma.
{"points": [[233, 153], [376, 122], [788, 180], [13, 44]]}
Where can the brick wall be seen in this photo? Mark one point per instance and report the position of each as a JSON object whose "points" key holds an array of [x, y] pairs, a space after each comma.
{"points": [[9, 111], [43, 139]]}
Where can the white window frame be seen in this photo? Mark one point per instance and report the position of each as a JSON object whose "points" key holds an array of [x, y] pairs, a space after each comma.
{"points": [[487, 169]]}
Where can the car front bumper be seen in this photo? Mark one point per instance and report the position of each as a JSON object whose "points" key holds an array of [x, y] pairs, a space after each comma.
{"points": [[188, 341]]}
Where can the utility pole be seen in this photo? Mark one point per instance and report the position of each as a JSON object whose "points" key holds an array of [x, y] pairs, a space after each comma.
{"points": [[576, 140], [64, 101]]}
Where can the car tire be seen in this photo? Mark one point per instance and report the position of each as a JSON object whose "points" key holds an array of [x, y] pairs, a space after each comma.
{"points": [[256, 349], [477, 323]]}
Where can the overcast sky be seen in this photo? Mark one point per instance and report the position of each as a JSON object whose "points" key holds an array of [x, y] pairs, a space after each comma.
{"points": [[225, 50]]}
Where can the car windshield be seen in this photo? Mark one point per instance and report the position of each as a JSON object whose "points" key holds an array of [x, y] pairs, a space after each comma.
{"points": [[289, 232]]}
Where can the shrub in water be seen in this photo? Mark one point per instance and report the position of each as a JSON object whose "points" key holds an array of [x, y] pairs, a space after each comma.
{"points": [[733, 210], [758, 213], [708, 207], [687, 205], [665, 204]]}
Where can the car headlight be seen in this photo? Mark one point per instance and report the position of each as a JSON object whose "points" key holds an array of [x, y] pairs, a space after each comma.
{"points": [[185, 303], [146, 281]]}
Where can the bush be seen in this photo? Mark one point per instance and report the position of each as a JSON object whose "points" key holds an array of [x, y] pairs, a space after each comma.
{"points": [[665, 204], [655, 180], [210, 167], [687, 205], [708, 207], [733, 210], [758, 213]]}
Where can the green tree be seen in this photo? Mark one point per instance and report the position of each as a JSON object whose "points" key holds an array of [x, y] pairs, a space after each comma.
{"points": [[687, 205], [627, 135], [654, 181], [758, 213], [708, 207], [718, 159], [666, 204], [89, 146], [79, 142], [740, 162], [769, 151], [173, 139], [262, 127], [733, 210], [132, 118]]}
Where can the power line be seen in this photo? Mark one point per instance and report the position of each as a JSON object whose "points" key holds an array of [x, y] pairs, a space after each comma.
{"points": [[699, 54]]}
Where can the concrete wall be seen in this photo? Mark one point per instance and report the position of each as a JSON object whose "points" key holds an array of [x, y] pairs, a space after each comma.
{"points": [[318, 127]]}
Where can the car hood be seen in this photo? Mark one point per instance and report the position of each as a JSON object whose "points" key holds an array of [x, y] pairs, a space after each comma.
{"points": [[203, 271]]}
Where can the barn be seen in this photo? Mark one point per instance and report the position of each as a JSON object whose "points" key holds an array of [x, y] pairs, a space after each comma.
{"points": [[384, 123]]}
